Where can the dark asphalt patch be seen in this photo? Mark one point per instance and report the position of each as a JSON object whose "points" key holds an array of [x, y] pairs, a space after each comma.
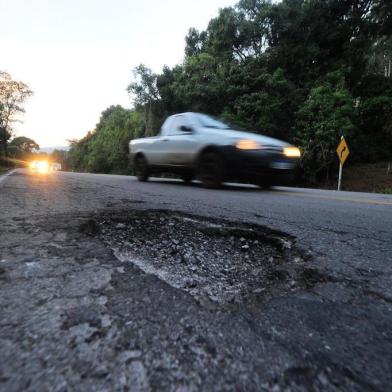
{"points": [[89, 227], [75, 318], [214, 260]]}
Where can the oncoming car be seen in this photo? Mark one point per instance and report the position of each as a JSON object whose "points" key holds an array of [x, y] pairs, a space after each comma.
{"points": [[198, 145], [44, 167], [41, 167]]}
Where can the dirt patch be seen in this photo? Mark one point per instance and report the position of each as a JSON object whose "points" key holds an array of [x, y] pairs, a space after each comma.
{"points": [[218, 261], [366, 177]]}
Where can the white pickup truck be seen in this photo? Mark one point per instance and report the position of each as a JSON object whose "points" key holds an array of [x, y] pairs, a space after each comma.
{"points": [[197, 145]]}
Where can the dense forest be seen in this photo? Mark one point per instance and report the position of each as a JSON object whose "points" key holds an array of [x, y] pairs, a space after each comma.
{"points": [[105, 150], [306, 71]]}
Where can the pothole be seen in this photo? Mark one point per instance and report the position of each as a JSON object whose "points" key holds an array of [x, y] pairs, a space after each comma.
{"points": [[218, 260]]}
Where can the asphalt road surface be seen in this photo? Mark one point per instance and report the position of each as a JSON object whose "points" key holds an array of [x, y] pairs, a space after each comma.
{"points": [[111, 284]]}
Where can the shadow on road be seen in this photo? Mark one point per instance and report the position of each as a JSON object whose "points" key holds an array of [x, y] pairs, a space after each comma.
{"points": [[224, 187]]}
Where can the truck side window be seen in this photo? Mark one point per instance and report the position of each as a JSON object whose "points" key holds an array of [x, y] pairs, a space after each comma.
{"points": [[167, 126], [175, 126]]}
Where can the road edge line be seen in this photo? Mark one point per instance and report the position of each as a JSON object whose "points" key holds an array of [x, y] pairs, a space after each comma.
{"points": [[4, 176]]}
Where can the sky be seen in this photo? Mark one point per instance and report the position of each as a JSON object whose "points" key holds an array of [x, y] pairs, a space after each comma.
{"points": [[78, 55]]}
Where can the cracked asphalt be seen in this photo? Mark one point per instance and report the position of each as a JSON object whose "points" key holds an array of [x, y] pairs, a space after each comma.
{"points": [[108, 284]]}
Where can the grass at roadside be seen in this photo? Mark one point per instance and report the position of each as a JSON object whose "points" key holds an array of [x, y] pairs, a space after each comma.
{"points": [[370, 177], [3, 169]]}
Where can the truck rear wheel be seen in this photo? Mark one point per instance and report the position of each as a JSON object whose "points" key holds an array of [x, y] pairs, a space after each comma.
{"points": [[187, 178], [141, 168], [264, 183], [211, 170]]}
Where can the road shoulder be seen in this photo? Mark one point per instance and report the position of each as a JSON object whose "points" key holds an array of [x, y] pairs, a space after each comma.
{"points": [[6, 174]]}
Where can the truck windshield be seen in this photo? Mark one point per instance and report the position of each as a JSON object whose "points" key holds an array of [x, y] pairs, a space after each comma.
{"points": [[211, 122]]}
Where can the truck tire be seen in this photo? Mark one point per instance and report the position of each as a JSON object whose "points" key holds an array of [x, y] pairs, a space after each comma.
{"points": [[187, 178], [141, 168], [264, 183], [211, 169]]}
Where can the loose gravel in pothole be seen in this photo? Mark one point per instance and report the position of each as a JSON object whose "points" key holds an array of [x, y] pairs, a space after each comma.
{"points": [[221, 261]]}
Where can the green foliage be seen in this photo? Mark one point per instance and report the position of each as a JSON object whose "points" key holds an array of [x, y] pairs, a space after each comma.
{"points": [[105, 150], [20, 149], [269, 109], [60, 156], [194, 42], [306, 71], [275, 68], [146, 97], [375, 118], [24, 144], [325, 116], [144, 87]]}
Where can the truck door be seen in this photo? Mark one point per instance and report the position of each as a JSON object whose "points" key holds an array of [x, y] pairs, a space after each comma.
{"points": [[160, 147], [180, 142]]}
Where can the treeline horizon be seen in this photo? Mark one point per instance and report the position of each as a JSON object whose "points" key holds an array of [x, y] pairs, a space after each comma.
{"points": [[305, 71]]}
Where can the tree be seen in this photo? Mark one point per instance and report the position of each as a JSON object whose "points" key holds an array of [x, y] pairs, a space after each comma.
{"points": [[24, 144], [21, 147], [275, 68], [194, 42], [374, 105], [59, 156], [145, 92], [13, 94], [380, 57], [200, 86], [105, 150], [78, 152], [267, 107], [326, 115]]}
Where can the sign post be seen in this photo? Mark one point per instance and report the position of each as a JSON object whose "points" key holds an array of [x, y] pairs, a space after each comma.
{"points": [[340, 176], [343, 153]]}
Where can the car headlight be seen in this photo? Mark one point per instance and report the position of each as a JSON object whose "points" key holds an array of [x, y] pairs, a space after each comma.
{"points": [[43, 166], [248, 144], [292, 152]]}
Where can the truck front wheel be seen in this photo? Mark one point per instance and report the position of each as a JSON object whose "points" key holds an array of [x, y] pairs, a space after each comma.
{"points": [[141, 168]]}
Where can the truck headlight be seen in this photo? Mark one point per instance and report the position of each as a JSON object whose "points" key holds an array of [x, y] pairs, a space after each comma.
{"points": [[292, 152], [248, 144]]}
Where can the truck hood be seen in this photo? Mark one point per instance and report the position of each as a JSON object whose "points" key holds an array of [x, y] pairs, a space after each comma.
{"points": [[236, 135]]}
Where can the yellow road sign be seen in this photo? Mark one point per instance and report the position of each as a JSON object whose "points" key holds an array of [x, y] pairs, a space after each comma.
{"points": [[343, 151]]}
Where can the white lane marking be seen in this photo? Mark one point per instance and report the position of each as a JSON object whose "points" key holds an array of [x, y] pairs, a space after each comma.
{"points": [[332, 197], [4, 176]]}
